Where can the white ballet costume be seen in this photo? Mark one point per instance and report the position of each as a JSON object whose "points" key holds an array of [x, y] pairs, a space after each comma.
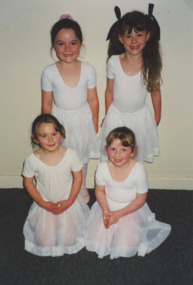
{"points": [[47, 234], [136, 233], [72, 110], [129, 109]]}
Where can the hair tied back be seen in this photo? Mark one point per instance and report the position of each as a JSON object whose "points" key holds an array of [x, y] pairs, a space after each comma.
{"points": [[66, 16]]}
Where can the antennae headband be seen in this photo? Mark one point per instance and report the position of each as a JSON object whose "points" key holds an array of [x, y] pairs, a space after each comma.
{"points": [[154, 21], [113, 27]]}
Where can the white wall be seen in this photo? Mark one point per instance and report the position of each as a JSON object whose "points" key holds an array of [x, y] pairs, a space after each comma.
{"points": [[24, 52]]}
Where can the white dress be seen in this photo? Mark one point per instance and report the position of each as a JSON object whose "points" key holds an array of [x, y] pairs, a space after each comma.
{"points": [[72, 110], [136, 233], [47, 234], [129, 109]]}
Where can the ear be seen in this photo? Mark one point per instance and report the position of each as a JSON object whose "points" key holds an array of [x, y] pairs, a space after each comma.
{"points": [[148, 36], [134, 152], [34, 139], [64, 133], [120, 38]]}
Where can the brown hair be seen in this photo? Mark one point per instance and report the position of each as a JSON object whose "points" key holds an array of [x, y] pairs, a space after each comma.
{"points": [[45, 119], [152, 62], [65, 24], [125, 135]]}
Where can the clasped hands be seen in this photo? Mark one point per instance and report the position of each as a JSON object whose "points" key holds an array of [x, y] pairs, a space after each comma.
{"points": [[110, 218], [58, 207]]}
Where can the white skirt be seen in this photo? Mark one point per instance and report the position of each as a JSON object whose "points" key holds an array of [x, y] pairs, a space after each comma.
{"points": [[80, 132], [47, 234], [136, 233], [142, 123]]}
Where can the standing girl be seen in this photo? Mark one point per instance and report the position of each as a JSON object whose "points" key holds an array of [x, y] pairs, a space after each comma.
{"points": [[134, 67], [120, 222], [69, 92], [56, 221]]}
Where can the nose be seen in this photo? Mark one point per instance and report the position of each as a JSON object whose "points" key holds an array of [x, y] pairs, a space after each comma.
{"points": [[67, 47], [50, 139], [117, 154], [133, 39]]}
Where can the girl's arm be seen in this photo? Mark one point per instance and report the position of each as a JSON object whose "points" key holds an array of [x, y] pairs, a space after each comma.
{"points": [[132, 207], [92, 99], [47, 101], [108, 94], [156, 101], [35, 195], [102, 200], [76, 185]]}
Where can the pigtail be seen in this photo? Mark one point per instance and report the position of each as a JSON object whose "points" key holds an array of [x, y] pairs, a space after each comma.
{"points": [[152, 61]]}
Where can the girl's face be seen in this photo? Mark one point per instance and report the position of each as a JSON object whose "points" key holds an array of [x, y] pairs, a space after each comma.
{"points": [[47, 137], [67, 45], [134, 42], [118, 154]]}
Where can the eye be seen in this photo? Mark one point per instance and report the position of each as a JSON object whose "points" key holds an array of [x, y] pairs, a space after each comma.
{"points": [[60, 43], [74, 43]]}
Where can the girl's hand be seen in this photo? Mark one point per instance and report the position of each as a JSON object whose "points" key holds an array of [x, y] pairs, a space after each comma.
{"points": [[61, 206], [157, 102], [102, 122], [106, 220], [49, 206], [92, 99], [111, 218], [96, 127]]}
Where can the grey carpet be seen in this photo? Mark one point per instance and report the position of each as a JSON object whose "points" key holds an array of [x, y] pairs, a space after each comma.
{"points": [[170, 264]]}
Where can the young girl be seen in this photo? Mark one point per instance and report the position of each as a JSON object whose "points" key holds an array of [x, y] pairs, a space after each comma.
{"points": [[120, 222], [134, 67], [57, 217], [69, 93]]}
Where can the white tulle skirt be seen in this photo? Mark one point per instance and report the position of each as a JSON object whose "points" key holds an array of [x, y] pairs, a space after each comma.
{"points": [[47, 234], [80, 133], [136, 233], [142, 123]]}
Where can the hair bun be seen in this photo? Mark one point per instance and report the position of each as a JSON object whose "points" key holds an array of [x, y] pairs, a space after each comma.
{"points": [[66, 16]]}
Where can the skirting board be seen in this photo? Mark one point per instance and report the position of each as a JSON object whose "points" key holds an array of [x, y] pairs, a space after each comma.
{"points": [[154, 183]]}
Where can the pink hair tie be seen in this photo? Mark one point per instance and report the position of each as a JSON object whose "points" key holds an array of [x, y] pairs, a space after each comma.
{"points": [[66, 16]]}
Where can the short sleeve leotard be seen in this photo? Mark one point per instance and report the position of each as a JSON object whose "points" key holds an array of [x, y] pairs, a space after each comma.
{"points": [[47, 234], [72, 110], [135, 233], [129, 109]]}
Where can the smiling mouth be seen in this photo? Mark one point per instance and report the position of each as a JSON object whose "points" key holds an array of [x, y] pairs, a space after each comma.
{"points": [[134, 47], [117, 160]]}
